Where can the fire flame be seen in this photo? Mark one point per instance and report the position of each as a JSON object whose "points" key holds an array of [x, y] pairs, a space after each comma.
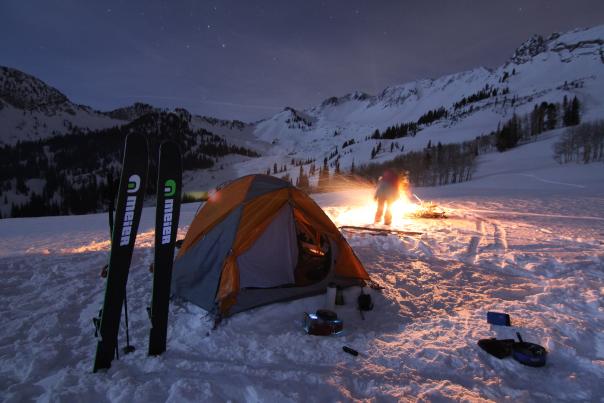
{"points": [[361, 212]]}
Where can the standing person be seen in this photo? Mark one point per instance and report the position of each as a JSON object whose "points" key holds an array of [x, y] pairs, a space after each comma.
{"points": [[386, 194]]}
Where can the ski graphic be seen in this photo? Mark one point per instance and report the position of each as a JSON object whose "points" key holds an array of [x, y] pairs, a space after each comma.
{"points": [[131, 192], [169, 180]]}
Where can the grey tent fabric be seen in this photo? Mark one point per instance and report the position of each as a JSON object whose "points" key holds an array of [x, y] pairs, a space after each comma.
{"points": [[263, 184], [255, 297], [271, 261], [199, 285]]}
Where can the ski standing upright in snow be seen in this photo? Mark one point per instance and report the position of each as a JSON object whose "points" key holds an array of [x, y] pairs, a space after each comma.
{"points": [[129, 206], [169, 181]]}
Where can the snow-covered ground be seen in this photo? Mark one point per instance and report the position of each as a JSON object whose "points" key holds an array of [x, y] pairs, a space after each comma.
{"points": [[525, 237]]}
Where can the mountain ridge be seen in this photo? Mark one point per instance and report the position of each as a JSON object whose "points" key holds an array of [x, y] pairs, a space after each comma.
{"points": [[355, 129]]}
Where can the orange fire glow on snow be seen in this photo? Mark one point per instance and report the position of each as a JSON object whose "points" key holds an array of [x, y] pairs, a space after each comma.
{"points": [[362, 209]]}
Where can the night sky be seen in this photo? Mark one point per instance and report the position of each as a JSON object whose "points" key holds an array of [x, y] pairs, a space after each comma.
{"points": [[249, 59]]}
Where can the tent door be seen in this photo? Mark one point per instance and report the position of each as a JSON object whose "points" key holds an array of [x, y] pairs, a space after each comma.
{"points": [[271, 260]]}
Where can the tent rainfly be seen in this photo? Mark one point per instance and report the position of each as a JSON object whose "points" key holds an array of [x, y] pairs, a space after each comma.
{"points": [[260, 240]]}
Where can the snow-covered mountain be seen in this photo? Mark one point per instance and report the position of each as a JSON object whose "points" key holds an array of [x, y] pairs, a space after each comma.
{"points": [[540, 70], [449, 109], [31, 110]]}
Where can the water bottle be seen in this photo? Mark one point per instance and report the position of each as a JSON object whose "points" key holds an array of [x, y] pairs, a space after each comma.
{"points": [[330, 297]]}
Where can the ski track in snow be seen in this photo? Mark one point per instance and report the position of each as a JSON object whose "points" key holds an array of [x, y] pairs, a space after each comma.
{"points": [[419, 342], [552, 182]]}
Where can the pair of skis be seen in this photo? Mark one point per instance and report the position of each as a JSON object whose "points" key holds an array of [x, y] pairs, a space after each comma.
{"points": [[128, 211]]}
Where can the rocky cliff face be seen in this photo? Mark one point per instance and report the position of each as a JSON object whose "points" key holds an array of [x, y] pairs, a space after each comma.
{"points": [[571, 44], [24, 91], [135, 111]]}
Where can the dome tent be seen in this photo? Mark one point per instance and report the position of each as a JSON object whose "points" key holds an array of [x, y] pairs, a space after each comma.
{"points": [[260, 240]]}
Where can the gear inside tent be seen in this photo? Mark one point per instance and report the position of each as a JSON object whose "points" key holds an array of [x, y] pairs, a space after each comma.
{"points": [[260, 240]]}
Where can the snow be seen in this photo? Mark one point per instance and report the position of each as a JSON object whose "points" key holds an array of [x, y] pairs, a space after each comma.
{"points": [[524, 237], [570, 65], [20, 125], [32, 110]]}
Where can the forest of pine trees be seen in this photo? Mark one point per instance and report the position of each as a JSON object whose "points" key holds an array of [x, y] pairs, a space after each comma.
{"points": [[486, 92], [439, 165], [452, 163], [81, 170], [432, 116], [396, 131], [543, 117]]}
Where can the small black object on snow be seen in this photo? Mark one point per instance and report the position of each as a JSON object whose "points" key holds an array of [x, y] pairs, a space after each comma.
{"points": [[530, 354], [499, 319]]}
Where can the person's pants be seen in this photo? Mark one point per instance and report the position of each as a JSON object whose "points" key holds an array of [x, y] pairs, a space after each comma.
{"points": [[383, 204]]}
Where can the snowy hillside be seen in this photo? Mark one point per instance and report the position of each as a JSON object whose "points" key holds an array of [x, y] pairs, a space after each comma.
{"points": [[33, 110], [77, 173], [357, 128], [525, 237], [541, 70]]}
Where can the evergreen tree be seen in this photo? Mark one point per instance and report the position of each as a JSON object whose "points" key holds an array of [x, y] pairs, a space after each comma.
{"points": [[21, 187], [566, 113], [536, 120], [324, 176], [575, 112], [302, 182], [552, 116], [509, 135]]}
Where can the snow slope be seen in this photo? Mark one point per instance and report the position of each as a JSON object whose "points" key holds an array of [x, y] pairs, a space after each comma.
{"points": [[527, 241], [32, 110], [541, 70]]}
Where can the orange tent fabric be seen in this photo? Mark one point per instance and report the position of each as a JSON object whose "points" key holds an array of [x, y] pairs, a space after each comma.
{"points": [[216, 208], [257, 199]]}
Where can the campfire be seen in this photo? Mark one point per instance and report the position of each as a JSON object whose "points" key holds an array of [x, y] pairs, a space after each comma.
{"points": [[361, 212], [428, 210]]}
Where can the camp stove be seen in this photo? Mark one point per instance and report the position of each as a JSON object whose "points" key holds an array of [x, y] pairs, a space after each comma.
{"points": [[323, 323]]}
